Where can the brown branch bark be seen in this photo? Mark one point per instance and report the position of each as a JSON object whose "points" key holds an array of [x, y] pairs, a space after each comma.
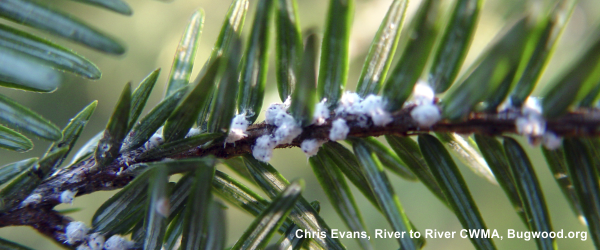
{"points": [[84, 179]]}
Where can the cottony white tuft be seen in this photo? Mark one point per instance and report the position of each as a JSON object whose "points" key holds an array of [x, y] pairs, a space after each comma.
{"points": [[531, 125], [288, 102], [235, 135], [286, 133], [310, 147], [532, 106], [263, 148], [551, 141], [321, 113], [192, 132], [370, 103], [32, 200], [381, 117], [76, 231], [423, 94], [272, 111], [96, 241], [67, 196], [238, 128], [117, 242], [348, 104], [154, 141], [339, 130], [283, 118], [426, 115], [373, 106]]}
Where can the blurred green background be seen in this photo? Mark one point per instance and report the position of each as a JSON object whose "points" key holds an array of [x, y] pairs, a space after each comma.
{"points": [[152, 35]]}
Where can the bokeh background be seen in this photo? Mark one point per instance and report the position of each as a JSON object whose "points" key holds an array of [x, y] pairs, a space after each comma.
{"points": [[152, 35]]}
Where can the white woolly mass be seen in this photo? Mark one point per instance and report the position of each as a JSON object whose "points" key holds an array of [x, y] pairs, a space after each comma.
{"points": [[32, 200], [423, 94], [370, 103], [76, 231], [273, 110], [531, 123], [287, 129], [532, 106], [426, 115], [67, 196], [339, 130], [117, 242], [551, 141], [240, 122], [286, 133], [263, 148], [193, 131], [283, 118], [235, 134], [154, 141], [310, 147], [238, 128], [381, 117], [531, 126], [288, 102], [321, 113], [349, 104], [96, 241], [373, 106]]}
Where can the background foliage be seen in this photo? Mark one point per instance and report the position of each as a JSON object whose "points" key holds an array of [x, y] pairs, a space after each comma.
{"points": [[152, 34]]}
